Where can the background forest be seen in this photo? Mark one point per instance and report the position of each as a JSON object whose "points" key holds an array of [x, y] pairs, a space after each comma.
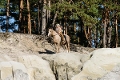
{"points": [[90, 23]]}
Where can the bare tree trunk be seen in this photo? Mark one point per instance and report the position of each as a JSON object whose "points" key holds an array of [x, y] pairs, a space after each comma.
{"points": [[24, 30], [39, 32], [44, 18], [64, 30], [21, 5], [29, 18], [7, 20], [88, 35], [104, 36], [49, 5], [105, 22], [48, 12], [74, 27], [34, 25], [109, 37], [116, 31], [54, 19]]}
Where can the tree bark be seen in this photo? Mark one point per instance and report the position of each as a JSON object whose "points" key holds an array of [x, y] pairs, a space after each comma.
{"points": [[29, 17], [44, 18], [21, 5], [88, 36], [105, 22], [104, 35], [48, 12], [39, 32], [54, 19], [109, 37], [116, 31], [7, 20]]}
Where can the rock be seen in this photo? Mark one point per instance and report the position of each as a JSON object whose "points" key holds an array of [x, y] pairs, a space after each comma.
{"points": [[6, 71], [19, 71], [20, 75], [12, 70], [4, 58], [101, 62], [112, 75], [38, 68], [66, 65]]}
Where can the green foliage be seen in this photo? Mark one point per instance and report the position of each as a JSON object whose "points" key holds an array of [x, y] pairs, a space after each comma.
{"points": [[88, 10], [2, 3]]}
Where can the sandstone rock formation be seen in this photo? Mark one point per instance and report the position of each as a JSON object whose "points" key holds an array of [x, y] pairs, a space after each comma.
{"points": [[38, 69], [30, 57], [11, 70], [101, 62], [112, 75], [66, 65]]}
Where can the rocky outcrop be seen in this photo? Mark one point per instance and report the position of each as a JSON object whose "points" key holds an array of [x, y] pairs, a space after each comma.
{"points": [[29, 67], [38, 69], [29, 57], [62, 66], [66, 65], [12, 70], [112, 75], [101, 62]]}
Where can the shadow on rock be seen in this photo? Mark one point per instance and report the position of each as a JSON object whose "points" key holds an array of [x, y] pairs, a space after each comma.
{"points": [[46, 52]]}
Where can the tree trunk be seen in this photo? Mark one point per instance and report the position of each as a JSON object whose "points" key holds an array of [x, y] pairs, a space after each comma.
{"points": [[7, 20], [48, 12], [104, 36], [49, 5], [24, 30], [34, 26], [116, 31], [109, 37], [44, 18], [65, 28], [21, 5], [105, 22], [39, 32], [88, 36], [29, 18], [55, 16], [109, 33]]}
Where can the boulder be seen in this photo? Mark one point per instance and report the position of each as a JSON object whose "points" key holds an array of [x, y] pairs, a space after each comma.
{"points": [[66, 65], [101, 62], [38, 69], [6, 71], [11, 70], [4, 58], [19, 71], [112, 75]]}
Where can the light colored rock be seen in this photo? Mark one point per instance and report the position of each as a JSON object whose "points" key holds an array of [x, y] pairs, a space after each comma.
{"points": [[18, 66], [38, 68], [31, 67], [19, 71], [32, 73], [101, 62], [6, 71], [11, 70], [4, 58], [66, 65], [112, 75], [20, 75]]}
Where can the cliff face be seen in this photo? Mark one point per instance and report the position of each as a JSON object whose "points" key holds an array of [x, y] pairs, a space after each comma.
{"points": [[30, 57]]}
